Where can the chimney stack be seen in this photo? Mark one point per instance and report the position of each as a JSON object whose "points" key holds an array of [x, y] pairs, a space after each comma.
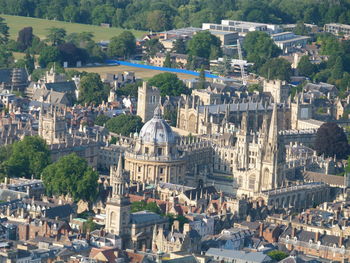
{"points": [[317, 236], [261, 229]]}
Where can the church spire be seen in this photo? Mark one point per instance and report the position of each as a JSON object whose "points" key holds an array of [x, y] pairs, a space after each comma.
{"points": [[120, 166], [273, 132]]}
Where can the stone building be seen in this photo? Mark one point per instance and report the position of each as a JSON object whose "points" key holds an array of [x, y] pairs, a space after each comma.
{"points": [[148, 100], [135, 229], [53, 129], [155, 156], [211, 119], [118, 204]]}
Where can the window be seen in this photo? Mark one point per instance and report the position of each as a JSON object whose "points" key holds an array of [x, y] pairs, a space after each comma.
{"points": [[146, 150], [161, 170], [159, 151], [139, 169]]}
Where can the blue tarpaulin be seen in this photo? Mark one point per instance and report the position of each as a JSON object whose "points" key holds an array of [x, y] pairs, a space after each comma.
{"points": [[173, 70]]}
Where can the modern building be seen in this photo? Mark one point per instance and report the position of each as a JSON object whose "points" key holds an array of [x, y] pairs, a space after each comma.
{"points": [[288, 41], [337, 29]]}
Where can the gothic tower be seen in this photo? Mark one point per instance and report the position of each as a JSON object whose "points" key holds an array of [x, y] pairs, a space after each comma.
{"points": [[118, 204], [52, 125], [148, 100], [271, 172]]}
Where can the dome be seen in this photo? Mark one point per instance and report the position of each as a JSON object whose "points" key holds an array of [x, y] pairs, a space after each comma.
{"points": [[157, 130]]}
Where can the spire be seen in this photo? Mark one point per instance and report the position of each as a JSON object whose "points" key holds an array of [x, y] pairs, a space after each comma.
{"points": [[273, 132], [244, 122], [120, 166]]}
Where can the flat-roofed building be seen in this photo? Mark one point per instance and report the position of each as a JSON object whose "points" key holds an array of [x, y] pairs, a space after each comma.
{"points": [[337, 29]]}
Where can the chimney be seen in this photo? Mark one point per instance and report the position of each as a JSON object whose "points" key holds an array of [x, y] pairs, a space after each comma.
{"points": [[294, 232], [317, 236], [341, 239], [261, 229]]}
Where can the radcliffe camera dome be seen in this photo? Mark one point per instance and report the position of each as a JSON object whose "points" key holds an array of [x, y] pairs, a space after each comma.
{"points": [[157, 130]]}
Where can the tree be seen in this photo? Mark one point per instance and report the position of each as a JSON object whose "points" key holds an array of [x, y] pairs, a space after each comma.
{"points": [[157, 20], [71, 175], [25, 38], [203, 44], [72, 54], [167, 61], [338, 69], [124, 124], [168, 84], [37, 45], [6, 58], [202, 78], [179, 46], [276, 68], [101, 119], [305, 67], [331, 141], [48, 54], [92, 90], [277, 255], [301, 29], [89, 226], [259, 48], [152, 46], [123, 45], [56, 35], [29, 157], [143, 206], [71, 13], [129, 89], [27, 62], [4, 32]]}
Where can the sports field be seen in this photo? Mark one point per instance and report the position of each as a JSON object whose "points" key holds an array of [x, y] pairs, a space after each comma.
{"points": [[40, 27], [139, 72]]}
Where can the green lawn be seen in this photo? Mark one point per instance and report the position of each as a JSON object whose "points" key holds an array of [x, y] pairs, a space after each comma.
{"points": [[40, 27]]}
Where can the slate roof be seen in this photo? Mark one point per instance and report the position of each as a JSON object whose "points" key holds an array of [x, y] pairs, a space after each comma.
{"points": [[237, 254], [324, 178], [6, 75], [306, 236], [66, 86], [55, 97], [144, 217]]}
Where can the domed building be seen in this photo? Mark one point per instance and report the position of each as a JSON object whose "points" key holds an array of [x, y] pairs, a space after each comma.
{"points": [[155, 156]]}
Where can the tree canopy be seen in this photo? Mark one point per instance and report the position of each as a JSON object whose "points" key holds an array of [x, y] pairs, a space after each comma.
{"points": [[259, 48], [123, 45], [4, 32], [331, 141], [25, 38], [71, 175], [101, 119], [28, 158], [205, 45], [142, 206], [305, 67], [276, 68], [56, 35], [124, 124], [162, 15], [92, 90], [277, 255], [168, 84]]}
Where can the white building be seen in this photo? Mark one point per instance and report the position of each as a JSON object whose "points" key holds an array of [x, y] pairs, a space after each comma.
{"points": [[288, 41]]}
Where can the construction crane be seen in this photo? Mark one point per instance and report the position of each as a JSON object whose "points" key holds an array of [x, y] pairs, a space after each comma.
{"points": [[241, 64]]}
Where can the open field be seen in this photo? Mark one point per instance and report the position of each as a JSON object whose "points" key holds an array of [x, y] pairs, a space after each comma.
{"points": [[40, 27], [139, 72]]}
